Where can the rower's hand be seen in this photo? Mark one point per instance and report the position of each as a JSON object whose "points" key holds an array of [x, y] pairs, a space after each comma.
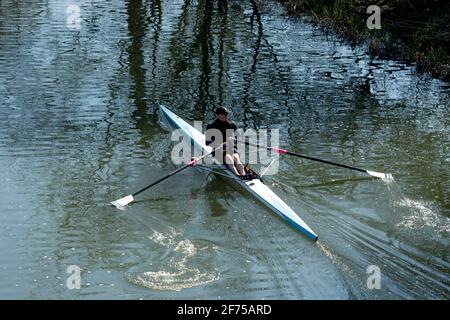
{"points": [[194, 161]]}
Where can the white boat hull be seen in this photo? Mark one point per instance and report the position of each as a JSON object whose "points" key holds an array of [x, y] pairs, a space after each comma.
{"points": [[254, 186]]}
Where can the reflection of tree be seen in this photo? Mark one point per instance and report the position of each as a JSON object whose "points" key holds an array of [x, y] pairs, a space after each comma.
{"points": [[156, 20], [274, 79], [137, 26], [201, 72], [223, 11], [180, 59], [203, 41], [193, 42], [252, 73]]}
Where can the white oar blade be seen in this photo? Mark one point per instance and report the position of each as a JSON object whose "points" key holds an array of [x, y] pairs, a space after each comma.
{"points": [[123, 202], [381, 175]]}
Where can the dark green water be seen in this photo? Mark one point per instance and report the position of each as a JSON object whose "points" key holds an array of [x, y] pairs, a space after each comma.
{"points": [[79, 127]]}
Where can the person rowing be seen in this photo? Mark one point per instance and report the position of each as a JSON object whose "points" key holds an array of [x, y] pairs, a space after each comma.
{"points": [[227, 129]]}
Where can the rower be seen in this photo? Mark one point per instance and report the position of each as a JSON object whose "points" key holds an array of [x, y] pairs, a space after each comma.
{"points": [[227, 128]]}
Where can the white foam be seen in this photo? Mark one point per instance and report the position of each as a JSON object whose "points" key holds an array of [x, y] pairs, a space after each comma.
{"points": [[422, 215]]}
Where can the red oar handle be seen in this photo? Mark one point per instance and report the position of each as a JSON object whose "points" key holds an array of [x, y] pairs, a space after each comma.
{"points": [[280, 151]]}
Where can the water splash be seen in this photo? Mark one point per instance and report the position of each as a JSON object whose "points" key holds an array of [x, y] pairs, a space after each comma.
{"points": [[176, 271], [422, 215]]}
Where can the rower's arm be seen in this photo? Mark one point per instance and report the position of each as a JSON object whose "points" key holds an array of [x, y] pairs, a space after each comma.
{"points": [[210, 137]]}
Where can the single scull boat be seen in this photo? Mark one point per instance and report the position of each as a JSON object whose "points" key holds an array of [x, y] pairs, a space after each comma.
{"points": [[255, 186]]}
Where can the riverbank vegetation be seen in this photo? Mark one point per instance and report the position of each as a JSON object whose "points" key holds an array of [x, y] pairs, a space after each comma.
{"points": [[411, 30]]}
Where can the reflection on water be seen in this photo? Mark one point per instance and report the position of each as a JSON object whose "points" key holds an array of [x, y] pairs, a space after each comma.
{"points": [[79, 127]]}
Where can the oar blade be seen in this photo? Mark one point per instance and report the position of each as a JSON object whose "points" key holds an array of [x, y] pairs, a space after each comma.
{"points": [[381, 175], [123, 201]]}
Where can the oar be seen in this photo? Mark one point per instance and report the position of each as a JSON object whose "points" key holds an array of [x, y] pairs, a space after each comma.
{"points": [[380, 175], [128, 199]]}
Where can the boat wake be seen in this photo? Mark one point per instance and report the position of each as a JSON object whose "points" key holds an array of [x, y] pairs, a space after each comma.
{"points": [[175, 268]]}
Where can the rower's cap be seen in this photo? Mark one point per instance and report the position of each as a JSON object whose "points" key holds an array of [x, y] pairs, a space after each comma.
{"points": [[222, 110]]}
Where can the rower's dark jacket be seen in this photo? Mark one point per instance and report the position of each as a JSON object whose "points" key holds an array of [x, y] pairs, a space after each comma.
{"points": [[222, 126]]}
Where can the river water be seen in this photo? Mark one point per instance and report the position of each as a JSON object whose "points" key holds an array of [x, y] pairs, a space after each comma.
{"points": [[79, 127]]}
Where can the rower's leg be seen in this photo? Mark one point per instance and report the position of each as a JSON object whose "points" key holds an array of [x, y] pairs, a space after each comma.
{"points": [[237, 162], [230, 163]]}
